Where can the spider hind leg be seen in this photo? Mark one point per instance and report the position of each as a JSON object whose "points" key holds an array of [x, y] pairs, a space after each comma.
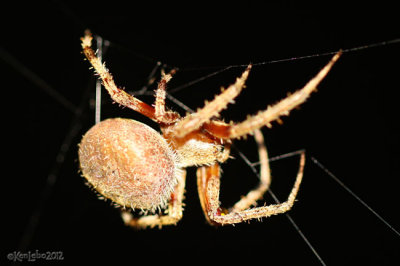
{"points": [[208, 179], [173, 214]]}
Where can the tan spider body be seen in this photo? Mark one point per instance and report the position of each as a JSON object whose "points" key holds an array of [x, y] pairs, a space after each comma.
{"points": [[136, 167]]}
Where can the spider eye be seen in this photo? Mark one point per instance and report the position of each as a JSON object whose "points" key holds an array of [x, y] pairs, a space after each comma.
{"points": [[129, 163]]}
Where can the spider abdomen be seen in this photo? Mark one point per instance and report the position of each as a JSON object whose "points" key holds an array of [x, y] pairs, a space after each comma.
{"points": [[129, 163]]}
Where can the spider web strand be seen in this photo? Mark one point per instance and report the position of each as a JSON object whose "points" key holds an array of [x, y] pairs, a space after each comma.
{"points": [[52, 177], [225, 68], [336, 179], [292, 222], [200, 79], [97, 116], [35, 79], [282, 156], [50, 182]]}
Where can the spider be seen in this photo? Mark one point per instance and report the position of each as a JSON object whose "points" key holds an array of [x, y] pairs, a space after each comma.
{"points": [[134, 166]]}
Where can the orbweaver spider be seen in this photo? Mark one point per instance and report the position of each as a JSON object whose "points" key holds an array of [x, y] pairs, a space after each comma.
{"points": [[136, 167]]}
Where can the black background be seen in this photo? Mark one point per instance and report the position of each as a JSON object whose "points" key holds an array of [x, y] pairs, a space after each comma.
{"points": [[351, 126]]}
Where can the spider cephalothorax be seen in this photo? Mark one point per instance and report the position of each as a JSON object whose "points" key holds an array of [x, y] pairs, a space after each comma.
{"points": [[136, 167]]}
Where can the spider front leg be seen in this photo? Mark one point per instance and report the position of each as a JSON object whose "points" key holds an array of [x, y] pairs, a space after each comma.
{"points": [[161, 114], [117, 94], [172, 216], [272, 113], [209, 187], [195, 120]]}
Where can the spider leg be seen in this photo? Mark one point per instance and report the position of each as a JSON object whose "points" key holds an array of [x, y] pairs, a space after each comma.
{"points": [[194, 121], [208, 179], [172, 216], [265, 177], [163, 116], [117, 94], [272, 113]]}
